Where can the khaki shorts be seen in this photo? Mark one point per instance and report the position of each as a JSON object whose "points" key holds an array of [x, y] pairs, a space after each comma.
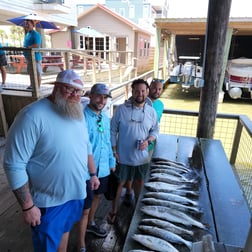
{"points": [[129, 173]]}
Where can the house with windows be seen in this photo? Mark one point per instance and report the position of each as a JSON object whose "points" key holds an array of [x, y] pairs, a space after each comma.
{"points": [[141, 12], [117, 34]]}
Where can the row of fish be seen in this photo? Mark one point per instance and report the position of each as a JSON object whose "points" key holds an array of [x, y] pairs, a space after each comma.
{"points": [[171, 207]]}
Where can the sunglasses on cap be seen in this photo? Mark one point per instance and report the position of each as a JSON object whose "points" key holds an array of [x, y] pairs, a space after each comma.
{"points": [[158, 80]]}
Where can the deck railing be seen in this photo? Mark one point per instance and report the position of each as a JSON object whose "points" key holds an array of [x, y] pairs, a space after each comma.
{"points": [[93, 66]]}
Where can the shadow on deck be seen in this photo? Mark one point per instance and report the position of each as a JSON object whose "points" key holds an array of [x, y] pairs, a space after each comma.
{"points": [[116, 232]]}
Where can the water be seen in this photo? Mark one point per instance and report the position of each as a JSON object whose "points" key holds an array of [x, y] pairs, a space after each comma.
{"points": [[174, 97]]}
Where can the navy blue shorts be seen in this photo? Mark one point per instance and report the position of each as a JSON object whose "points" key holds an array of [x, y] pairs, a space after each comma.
{"points": [[55, 221], [90, 193]]}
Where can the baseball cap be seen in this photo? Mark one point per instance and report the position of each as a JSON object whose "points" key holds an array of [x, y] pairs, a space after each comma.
{"points": [[100, 88], [70, 78]]}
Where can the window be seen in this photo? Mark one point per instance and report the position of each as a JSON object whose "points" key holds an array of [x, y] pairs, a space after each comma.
{"points": [[146, 11], [132, 11], [81, 42], [122, 12]]}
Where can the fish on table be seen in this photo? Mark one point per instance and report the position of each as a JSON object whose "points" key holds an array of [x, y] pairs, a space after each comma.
{"points": [[171, 204], [165, 235], [156, 186], [172, 197], [154, 243], [167, 225], [172, 215]]}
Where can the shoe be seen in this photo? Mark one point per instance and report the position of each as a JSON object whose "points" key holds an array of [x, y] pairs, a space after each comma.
{"points": [[30, 88], [111, 218], [128, 200], [83, 250], [94, 229]]}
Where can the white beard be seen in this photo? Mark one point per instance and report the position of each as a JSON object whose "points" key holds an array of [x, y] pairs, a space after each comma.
{"points": [[69, 109]]}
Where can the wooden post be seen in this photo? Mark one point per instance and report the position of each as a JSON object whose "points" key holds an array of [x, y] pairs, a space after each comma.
{"points": [[225, 60], [218, 18], [3, 117]]}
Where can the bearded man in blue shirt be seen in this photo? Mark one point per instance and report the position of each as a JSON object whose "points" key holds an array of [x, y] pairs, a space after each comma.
{"points": [[47, 159]]}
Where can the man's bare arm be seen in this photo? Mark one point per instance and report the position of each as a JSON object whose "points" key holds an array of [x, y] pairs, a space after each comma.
{"points": [[23, 196]]}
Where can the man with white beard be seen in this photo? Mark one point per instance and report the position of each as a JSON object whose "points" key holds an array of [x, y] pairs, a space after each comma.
{"points": [[47, 159]]}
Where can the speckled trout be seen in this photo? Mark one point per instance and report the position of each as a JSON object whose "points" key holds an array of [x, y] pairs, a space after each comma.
{"points": [[172, 197], [154, 243], [171, 204], [165, 235], [166, 225], [172, 215]]}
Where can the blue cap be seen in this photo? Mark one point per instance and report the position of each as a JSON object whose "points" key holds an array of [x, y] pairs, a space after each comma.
{"points": [[100, 88]]}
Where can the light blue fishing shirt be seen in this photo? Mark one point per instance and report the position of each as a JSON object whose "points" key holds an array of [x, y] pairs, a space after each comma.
{"points": [[100, 140], [51, 151], [159, 107], [129, 124]]}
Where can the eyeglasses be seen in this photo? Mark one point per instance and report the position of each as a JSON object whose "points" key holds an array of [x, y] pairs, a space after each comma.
{"points": [[99, 124], [158, 80], [72, 90], [136, 118]]}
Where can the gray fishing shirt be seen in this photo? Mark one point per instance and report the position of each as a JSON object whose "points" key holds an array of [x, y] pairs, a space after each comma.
{"points": [[129, 124]]}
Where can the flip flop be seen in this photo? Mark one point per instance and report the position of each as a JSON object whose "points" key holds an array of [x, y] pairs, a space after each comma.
{"points": [[111, 218]]}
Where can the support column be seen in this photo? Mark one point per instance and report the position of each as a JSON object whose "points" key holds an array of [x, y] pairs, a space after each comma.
{"points": [[157, 52], [225, 60]]}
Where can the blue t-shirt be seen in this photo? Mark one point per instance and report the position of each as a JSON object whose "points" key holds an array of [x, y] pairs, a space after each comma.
{"points": [[159, 107], [2, 52], [51, 151], [31, 38]]}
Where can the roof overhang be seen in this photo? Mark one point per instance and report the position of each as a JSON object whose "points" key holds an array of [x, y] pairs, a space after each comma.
{"points": [[197, 26]]}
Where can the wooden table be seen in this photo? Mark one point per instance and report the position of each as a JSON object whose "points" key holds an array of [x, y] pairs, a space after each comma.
{"points": [[224, 209], [52, 60], [18, 62]]}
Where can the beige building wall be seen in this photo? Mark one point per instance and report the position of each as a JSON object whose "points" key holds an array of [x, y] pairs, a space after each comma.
{"points": [[61, 39]]}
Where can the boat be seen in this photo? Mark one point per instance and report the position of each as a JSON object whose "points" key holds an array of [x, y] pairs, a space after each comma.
{"points": [[238, 78], [189, 74]]}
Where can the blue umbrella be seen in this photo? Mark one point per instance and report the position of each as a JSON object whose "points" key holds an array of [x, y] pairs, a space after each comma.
{"points": [[40, 22], [90, 32]]}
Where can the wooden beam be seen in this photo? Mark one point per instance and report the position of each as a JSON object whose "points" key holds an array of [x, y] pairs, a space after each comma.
{"points": [[218, 17]]}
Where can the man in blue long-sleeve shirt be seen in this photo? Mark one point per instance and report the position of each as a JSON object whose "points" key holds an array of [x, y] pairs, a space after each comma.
{"points": [[98, 125]]}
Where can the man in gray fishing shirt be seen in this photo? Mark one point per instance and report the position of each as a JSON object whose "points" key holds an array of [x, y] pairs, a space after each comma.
{"points": [[134, 126]]}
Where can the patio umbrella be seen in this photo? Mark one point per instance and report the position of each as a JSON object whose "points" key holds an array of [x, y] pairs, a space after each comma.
{"points": [[40, 22], [90, 32]]}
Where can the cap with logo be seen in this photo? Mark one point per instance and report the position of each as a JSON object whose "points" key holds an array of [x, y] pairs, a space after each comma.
{"points": [[71, 78], [100, 88]]}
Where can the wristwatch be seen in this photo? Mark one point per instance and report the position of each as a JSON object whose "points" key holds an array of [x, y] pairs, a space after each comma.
{"points": [[92, 174]]}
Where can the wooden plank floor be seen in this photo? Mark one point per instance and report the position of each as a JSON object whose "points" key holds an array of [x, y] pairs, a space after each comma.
{"points": [[15, 235]]}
